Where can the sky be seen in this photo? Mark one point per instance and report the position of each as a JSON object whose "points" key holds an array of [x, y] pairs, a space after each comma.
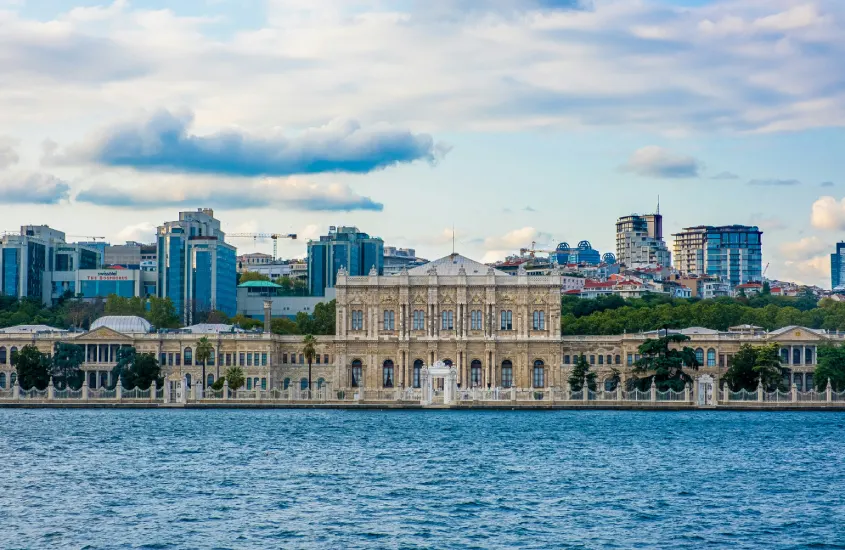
{"points": [[507, 121]]}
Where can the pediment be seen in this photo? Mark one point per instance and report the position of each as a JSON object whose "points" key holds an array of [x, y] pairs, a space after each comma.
{"points": [[476, 299], [102, 333], [795, 334]]}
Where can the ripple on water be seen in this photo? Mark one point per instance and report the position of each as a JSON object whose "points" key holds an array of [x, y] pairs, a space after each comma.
{"points": [[434, 479]]}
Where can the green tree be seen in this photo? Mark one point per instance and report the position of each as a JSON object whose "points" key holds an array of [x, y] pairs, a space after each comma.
{"points": [[831, 366], [322, 321], [283, 325], [580, 373], [246, 323], [248, 276], [235, 376], [203, 354], [33, 368], [163, 313], [768, 369], [137, 369], [309, 350], [666, 364], [67, 360], [741, 375], [218, 384], [119, 305]]}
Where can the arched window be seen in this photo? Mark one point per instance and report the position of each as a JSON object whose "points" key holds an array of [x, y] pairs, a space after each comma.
{"points": [[12, 379], [810, 381], [798, 379], [475, 373], [699, 356], [784, 356], [507, 374], [618, 359], [188, 380], [796, 356], [387, 374], [2, 379], [3, 355], [611, 383], [189, 357], [356, 373], [447, 362], [711, 357], [13, 353], [539, 374], [418, 365], [320, 383], [249, 383], [286, 383], [303, 384], [210, 380], [808, 357]]}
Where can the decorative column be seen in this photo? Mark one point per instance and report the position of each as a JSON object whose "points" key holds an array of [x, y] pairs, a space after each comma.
{"points": [[760, 391], [84, 388], [687, 392], [794, 392], [167, 390], [153, 391], [51, 390], [653, 391], [618, 391], [225, 388], [828, 392], [118, 390]]}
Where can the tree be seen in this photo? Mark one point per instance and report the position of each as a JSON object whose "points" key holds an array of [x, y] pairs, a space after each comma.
{"points": [[831, 366], [203, 353], [767, 368], [309, 350], [235, 376], [248, 276], [321, 322], [741, 375], [667, 365], [283, 325], [33, 367], [246, 323], [218, 384], [162, 313], [137, 369], [67, 360], [580, 373], [766, 289], [118, 305]]}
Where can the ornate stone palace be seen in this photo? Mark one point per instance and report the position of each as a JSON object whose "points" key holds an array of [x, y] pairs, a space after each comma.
{"points": [[497, 330]]}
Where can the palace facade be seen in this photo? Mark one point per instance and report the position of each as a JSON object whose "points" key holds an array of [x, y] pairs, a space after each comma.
{"points": [[496, 329]]}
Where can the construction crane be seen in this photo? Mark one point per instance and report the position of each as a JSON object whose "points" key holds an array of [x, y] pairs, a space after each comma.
{"points": [[765, 270], [95, 239], [256, 236], [533, 250]]}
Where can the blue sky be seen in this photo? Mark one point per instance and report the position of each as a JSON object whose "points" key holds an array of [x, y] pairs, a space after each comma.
{"points": [[518, 121]]}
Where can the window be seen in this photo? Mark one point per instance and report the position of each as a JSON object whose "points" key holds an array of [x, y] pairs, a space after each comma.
{"points": [[210, 380], [303, 384], [808, 357], [211, 358], [255, 357], [3, 354], [189, 357], [618, 359], [241, 359], [2, 379], [14, 378], [317, 357], [507, 320], [592, 359], [609, 359], [565, 359], [475, 373], [389, 318], [699, 356], [610, 384], [601, 359], [539, 320], [163, 360], [784, 356], [170, 359], [419, 320], [356, 373], [418, 364], [264, 383], [325, 358], [387, 374], [357, 320], [301, 359], [630, 359], [507, 374], [284, 358], [796, 356], [711, 357], [228, 359], [475, 319], [178, 359], [539, 374], [448, 318], [187, 381], [286, 383], [249, 359]]}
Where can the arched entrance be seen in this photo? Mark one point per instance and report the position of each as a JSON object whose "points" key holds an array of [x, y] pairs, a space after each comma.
{"points": [[439, 375], [705, 385]]}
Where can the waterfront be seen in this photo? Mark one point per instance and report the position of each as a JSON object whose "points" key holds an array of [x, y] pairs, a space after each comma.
{"points": [[421, 479]]}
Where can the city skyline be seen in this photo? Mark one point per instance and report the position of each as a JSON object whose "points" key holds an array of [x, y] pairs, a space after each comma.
{"points": [[543, 121]]}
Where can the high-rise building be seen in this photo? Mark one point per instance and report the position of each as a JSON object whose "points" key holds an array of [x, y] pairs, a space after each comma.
{"points": [[837, 266], [732, 252], [397, 259], [639, 241], [344, 247], [197, 269]]}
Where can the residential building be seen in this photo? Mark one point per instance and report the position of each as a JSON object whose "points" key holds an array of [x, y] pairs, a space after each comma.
{"points": [[197, 268], [639, 241], [344, 247], [837, 267], [246, 262], [252, 296], [397, 259], [732, 253]]}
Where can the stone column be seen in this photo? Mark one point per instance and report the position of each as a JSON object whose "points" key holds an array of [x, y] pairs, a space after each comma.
{"points": [[84, 388], [153, 391], [51, 390], [118, 390], [760, 391], [828, 392], [225, 389], [619, 391], [687, 392], [794, 392], [167, 390], [653, 391]]}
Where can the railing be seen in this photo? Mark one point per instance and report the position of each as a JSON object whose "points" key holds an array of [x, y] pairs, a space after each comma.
{"points": [[576, 395], [33, 393], [811, 396], [671, 395], [778, 396], [605, 395], [637, 395], [136, 393], [742, 395], [837, 396]]}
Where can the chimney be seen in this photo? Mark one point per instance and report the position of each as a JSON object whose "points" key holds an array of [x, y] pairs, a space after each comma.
{"points": [[268, 305]]}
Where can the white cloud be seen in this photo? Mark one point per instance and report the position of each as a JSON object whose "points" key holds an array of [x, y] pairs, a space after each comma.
{"points": [[517, 238], [33, 188], [828, 213], [143, 232], [8, 154], [657, 162], [812, 271], [804, 248]]}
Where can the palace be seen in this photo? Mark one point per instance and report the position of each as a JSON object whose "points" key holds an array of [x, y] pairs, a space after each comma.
{"points": [[497, 330]]}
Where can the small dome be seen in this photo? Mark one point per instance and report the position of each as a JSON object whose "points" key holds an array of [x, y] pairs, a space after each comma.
{"points": [[126, 324]]}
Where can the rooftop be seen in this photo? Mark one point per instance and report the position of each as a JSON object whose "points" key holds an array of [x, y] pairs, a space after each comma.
{"points": [[29, 329], [124, 324], [451, 264], [259, 284]]}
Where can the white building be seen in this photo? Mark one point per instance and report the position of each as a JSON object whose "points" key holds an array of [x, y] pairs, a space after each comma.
{"points": [[639, 241]]}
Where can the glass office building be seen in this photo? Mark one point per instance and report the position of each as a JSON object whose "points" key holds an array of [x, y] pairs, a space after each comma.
{"points": [[734, 253], [837, 267], [344, 247]]}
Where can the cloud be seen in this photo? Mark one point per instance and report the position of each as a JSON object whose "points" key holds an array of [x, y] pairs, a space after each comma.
{"points": [[773, 183], [768, 224], [657, 162], [143, 232], [812, 271], [33, 188], [725, 176], [8, 155], [517, 238], [827, 184], [828, 213], [804, 248], [162, 142], [292, 193], [529, 209]]}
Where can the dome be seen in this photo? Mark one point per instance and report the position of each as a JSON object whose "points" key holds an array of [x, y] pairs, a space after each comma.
{"points": [[126, 324]]}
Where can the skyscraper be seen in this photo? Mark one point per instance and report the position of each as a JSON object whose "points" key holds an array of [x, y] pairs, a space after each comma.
{"points": [[639, 241], [196, 267], [343, 247], [732, 252], [837, 266]]}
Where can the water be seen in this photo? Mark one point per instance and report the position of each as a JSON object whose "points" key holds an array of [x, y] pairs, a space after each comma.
{"points": [[421, 479]]}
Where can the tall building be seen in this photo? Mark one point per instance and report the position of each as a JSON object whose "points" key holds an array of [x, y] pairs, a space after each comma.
{"points": [[196, 266], [584, 253], [344, 247], [732, 252], [837, 266], [397, 259], [639, 241]]}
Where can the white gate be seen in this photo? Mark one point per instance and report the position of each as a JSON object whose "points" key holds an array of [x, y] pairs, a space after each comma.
{"points": [[705, 391]]}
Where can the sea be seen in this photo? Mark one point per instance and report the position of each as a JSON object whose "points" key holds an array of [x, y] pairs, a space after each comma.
{"points": [[97, 478]]}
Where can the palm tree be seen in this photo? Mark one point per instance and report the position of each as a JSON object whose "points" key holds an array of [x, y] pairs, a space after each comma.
{"points": [[309, 351], [203, 353]]}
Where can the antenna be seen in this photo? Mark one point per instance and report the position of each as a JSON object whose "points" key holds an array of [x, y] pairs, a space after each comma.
{"points": [[658, 204], [453, 239]]}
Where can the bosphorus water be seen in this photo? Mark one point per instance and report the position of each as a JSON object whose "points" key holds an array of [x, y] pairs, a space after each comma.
{"points": [[421, 479]]}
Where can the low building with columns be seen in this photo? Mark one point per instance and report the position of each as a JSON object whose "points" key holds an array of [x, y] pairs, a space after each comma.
{"points": [[497, 330]]}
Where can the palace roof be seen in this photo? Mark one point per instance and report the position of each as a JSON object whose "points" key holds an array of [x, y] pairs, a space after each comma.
{"points": [[124, 324], [451, 264]]}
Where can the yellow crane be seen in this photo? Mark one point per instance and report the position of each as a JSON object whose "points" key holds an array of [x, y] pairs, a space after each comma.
{"points": [[256, 236]]}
